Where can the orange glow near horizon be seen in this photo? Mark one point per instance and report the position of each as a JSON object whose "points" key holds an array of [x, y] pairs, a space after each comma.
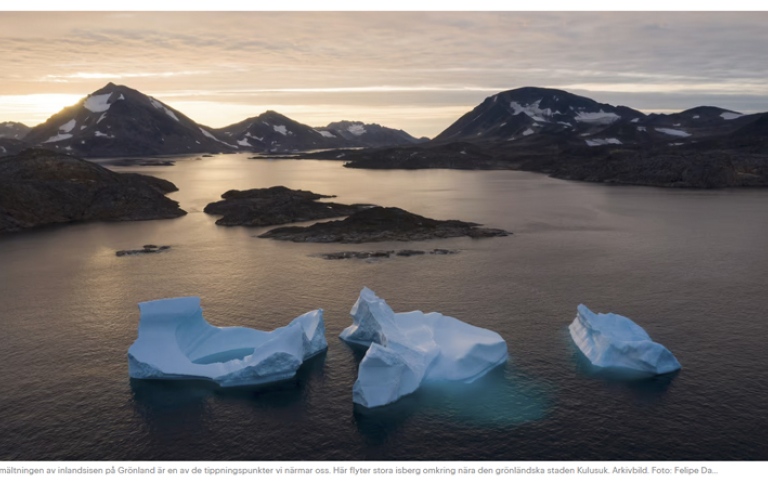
{"points": [[32, 109]]}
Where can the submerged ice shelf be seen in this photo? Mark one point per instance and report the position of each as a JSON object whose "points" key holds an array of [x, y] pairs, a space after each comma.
{"points": [[406, 349], [176, 342], [612, 341]]}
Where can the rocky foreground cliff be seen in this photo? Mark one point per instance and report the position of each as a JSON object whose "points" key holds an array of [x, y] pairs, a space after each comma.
{"points": [[40, 187]]}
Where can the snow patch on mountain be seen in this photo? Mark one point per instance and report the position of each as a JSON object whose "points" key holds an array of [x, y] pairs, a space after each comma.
{"points": [[728, 116], [100, 134], [528, 132], [602, 141], [533, 111], [68, 126], [159, 105], [327, 134], [58, 137], [97, 102], [356, 129], [599, 117], [281, 129], [673, 132]]}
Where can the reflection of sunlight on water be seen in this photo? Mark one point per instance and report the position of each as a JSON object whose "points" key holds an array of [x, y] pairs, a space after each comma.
{"points": [[500, 399]]}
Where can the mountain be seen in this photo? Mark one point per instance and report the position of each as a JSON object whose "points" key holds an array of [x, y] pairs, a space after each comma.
{"points": [[120, 121], [359, 134], [41, 187], [13, 130], [532, 116], [11, 146], [273, 132], [574, 137], [521, 113]]}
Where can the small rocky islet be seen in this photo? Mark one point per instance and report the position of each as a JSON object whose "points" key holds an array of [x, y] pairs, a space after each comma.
{"points": [[381, 224], [277, 205], [144, 249]]}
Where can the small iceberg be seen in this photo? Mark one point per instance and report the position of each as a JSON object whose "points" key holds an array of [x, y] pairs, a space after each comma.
{"points": [[176, 342], [406, 349], [612, 341]]}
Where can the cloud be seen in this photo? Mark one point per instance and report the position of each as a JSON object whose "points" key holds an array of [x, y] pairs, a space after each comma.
{"points": [[378, 54]]}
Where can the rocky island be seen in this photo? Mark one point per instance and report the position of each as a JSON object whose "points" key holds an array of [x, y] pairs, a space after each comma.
{"points": [[40, 187], [381, 224], [275, 206]]}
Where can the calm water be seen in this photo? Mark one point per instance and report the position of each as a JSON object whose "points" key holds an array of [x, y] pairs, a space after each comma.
{"points": [[690, 266]]}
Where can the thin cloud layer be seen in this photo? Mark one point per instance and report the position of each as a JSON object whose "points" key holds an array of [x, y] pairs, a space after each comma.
{"points": [[375, 61]]}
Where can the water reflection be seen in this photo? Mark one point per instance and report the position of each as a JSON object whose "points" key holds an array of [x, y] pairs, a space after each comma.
{"points": [[642, 387], [502, 398], [168, 406]]}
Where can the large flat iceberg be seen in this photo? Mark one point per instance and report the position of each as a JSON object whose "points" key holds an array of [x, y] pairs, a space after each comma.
{"points": [[612, 341], [406, 349], [176, 342]]}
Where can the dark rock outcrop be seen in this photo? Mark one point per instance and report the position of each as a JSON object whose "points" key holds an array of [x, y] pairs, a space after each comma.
{"points": [[381, 224], [40, 187], [346, 255], [275, 206], [145, 249]]}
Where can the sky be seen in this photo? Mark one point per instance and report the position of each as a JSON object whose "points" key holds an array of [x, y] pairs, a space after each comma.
{"points": [[417, 71]]}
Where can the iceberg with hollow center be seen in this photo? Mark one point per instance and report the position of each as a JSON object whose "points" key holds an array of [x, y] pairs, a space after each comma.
{"points": [[406, 349], [614, 342], [176, 342]]}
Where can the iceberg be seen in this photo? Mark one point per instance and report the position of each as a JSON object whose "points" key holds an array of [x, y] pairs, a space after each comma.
{"points": [[406, 349], [176, 342], [613, 341]]}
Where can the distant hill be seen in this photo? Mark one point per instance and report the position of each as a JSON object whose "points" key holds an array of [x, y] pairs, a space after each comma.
{"points": [[368, 135], [13, 130], [272, 132], [11, 146]]}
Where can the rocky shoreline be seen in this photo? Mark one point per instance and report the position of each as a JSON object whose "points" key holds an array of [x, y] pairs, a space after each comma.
{"points": [[379, 254], [381, 224], [145, 249]]}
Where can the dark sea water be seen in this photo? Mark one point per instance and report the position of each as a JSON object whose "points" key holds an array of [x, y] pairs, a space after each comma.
{"points": [[691, 267]]}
